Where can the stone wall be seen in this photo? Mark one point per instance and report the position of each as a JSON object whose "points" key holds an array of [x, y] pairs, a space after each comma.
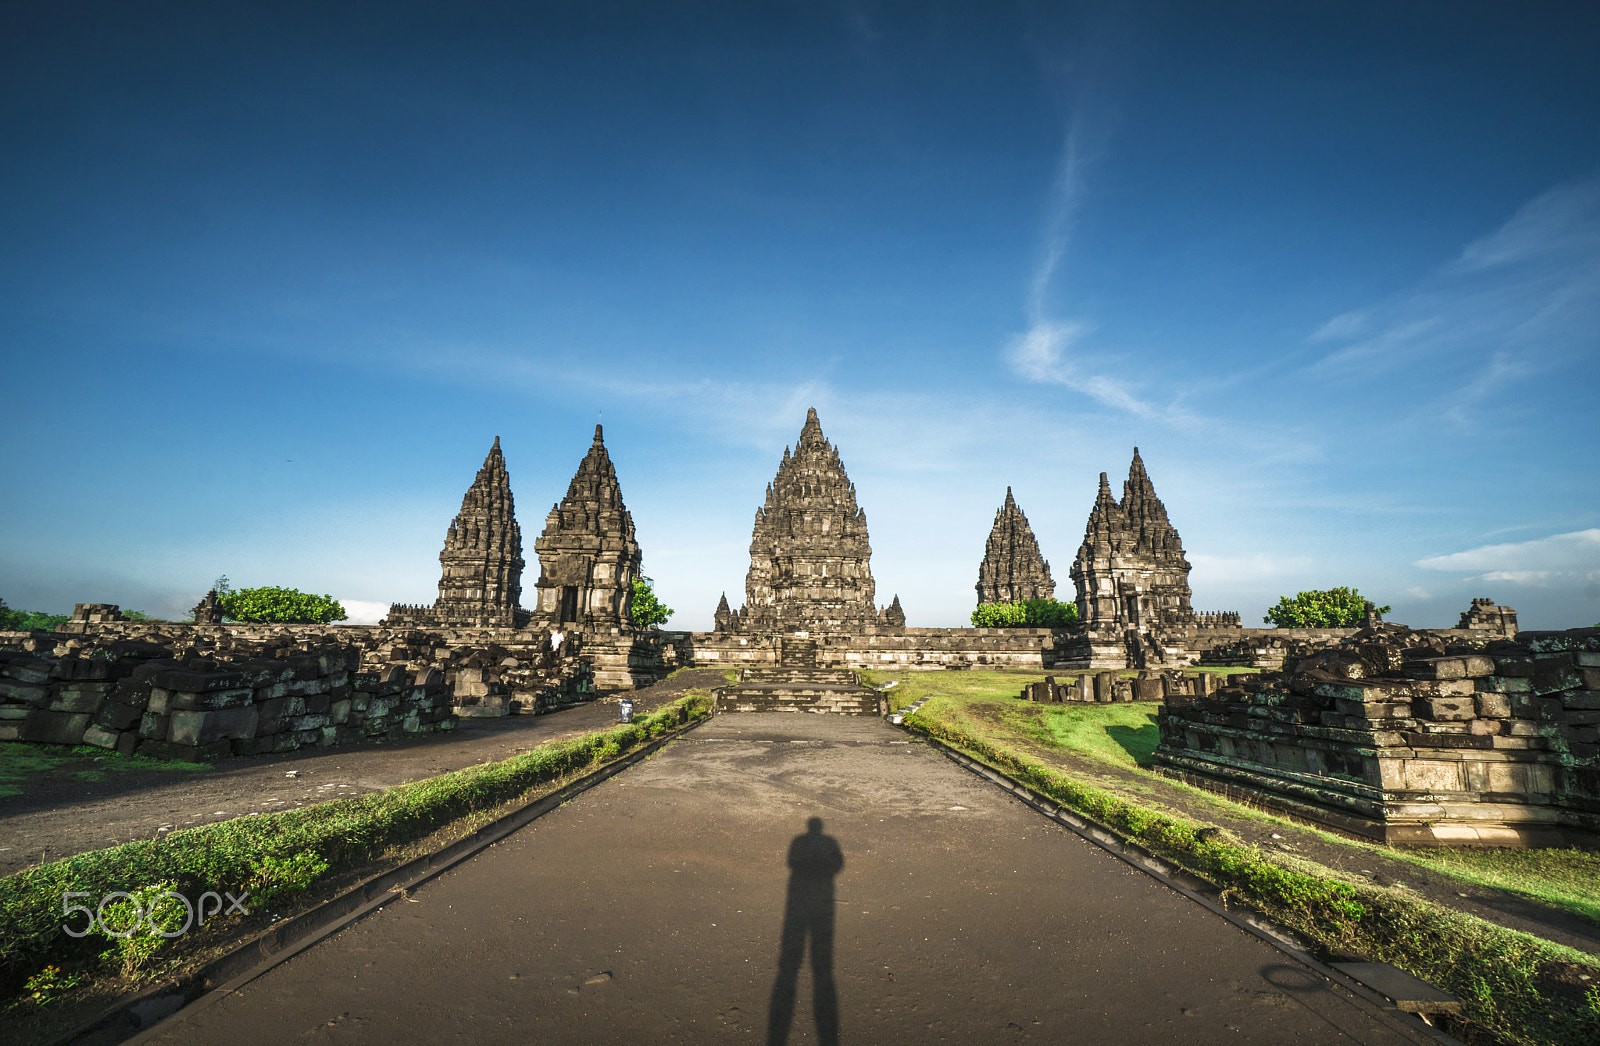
{"points": [[1417, 738], [894, 649], [478, 672], [136, 697]]}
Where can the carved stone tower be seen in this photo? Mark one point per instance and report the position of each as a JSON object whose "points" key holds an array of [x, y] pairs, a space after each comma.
{"points": [[1131, 577], [481, 583], [588, 556], [809, 557], [1012, 569]]}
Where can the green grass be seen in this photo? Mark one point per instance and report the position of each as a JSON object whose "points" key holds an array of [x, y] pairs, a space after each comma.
{"points": [[21, 761], [1123, 733], [1567, 879], [241, 854]]}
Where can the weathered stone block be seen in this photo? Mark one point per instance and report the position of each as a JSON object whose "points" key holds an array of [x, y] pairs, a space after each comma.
{"points": [[1590, 676], [1504, 685], [101, 737], [211, 699], [1447, 708], [154, 725], [55, 728], [200, 728], [1427, 775], [1518, 743], [1436, 668], [78, 697], [340, 710], [115, 716], [23, 693], [1584, 699], [1548, 679], [1494, 706], [27, 671], [1484, 727]]}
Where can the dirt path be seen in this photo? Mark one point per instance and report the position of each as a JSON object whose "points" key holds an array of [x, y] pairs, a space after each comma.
{"points": [[60, 813], [653, 908], [1357, 861]]}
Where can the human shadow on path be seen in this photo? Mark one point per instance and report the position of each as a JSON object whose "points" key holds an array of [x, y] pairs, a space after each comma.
{"points": [[814, 859]]}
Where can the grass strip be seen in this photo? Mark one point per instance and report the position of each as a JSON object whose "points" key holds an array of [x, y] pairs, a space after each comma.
{"points": [[239, 854], [1515, 988]]}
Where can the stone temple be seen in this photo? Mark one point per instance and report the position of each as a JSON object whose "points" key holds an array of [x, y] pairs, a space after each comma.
{"points": [[810, 563], [809, 584], [588, 554], [1131, 576], [1013, 570], [480, 585]]}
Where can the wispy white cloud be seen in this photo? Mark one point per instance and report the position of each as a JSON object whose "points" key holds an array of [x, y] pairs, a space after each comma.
{"points": [[1048, 352], [1517, 302], [1560, 558]]}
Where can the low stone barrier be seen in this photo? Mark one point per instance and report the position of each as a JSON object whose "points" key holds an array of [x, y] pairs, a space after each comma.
{"points": [[1410, 740], [134, 697]]}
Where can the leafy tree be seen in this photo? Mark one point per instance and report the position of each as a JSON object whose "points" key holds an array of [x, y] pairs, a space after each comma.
{"points": [[1030, 613], [1322, 608], [284, 606], [29, 620], [645, 609]]}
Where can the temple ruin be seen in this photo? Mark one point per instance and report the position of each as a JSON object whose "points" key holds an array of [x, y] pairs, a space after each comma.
{"points": [[810, 563], [480, 584], [1013, 570], [1132, 579], [588, 555]]}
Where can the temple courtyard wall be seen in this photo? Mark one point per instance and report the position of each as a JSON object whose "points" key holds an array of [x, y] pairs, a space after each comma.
{"points": [[1404, 741]]}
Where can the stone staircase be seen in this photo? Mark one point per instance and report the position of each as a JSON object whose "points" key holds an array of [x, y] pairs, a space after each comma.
{"points": [[796, 684]]}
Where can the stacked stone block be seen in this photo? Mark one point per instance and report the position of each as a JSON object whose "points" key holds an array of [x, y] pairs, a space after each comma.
{"points": [[136, 698], [1409, 740]]}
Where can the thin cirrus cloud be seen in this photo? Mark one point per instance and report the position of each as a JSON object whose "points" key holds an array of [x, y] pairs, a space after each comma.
{"points": [[1523, 299], [1044, 353], [1571, 557]]}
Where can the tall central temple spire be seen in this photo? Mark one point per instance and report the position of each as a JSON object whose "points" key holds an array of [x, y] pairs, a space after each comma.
{"points": [[809, 557]]}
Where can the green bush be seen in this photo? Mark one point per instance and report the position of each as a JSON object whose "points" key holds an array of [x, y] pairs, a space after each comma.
{"points": [[1030, 613], [1322, 608], [281, 606], [645, 609], [28, 620]]}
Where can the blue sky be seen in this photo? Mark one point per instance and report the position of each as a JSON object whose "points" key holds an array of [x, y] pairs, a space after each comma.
{"points": [[274, 276]]}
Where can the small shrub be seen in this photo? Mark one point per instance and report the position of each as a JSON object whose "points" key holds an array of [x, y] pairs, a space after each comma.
{"points": [[1030, 613], [284, 606]]}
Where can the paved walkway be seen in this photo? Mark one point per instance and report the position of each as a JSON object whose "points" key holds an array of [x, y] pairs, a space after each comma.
{"points": [[666, 905]]}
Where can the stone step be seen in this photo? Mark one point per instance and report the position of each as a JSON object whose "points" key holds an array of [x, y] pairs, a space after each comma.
{"points": [[846, 699], [764, 675]]}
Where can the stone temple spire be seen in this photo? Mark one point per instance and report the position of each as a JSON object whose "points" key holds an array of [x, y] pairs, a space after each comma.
{"points": [[481, 582], [1130, 571], [1013, 570], [809, 557], [588, 554]]}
